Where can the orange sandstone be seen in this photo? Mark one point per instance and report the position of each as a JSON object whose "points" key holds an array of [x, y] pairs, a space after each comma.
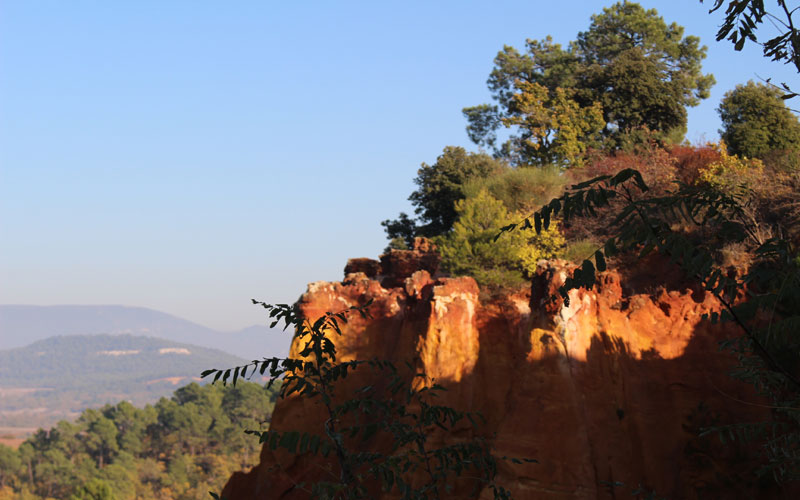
{"points": [[609, 391]]}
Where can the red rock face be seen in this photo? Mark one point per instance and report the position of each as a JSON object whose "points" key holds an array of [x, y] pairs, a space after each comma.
{"points": [[610, 390]]}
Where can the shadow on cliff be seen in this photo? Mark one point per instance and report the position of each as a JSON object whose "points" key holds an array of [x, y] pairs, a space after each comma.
{"points": [[609, 395], [617, 421]]}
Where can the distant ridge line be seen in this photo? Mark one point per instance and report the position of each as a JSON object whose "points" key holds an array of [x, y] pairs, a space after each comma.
{"points": [[22, 324]]}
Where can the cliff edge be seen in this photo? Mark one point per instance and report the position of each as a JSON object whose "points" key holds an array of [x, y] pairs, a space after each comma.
{"points": [[607, 394]]}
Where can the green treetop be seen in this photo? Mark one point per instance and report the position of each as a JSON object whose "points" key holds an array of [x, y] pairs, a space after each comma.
{"points": [[439, 186], [101, 437], [756, 122], [94, 489], [10, 462], [638, 71]]}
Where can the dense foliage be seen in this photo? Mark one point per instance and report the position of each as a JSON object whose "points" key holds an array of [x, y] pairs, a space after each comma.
{"points": [[727, 218], [178, 448], [470, 248], [629, 72], [439, 187], [622, 85], [451, 202], [757, 124]]}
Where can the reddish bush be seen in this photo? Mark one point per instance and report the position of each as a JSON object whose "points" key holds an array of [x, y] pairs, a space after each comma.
{"points": [[690, 160], [772, 206], [656, 166]]}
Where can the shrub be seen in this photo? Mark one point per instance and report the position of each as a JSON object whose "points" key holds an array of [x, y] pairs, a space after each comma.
{"points": [[520, 189], [730, 173], [470, 248], [741, 178], [653, 162], [690, 160], [657, 168], [784, 160], [576, 251]]}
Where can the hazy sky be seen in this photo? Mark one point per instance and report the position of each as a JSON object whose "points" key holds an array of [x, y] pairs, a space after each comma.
{"points": [[188, 156]]}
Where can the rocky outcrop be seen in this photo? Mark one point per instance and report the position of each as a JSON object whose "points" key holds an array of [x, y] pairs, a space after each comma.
{"points": [[607, 394]]}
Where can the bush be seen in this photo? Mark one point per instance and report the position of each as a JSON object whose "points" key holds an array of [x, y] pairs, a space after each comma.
{"points": [[657, 168], [730, 173], [520, 189], [690, 160], [470, 248], [577, 251], [783, 160]]}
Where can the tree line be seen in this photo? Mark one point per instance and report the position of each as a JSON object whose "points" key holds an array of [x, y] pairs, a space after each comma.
{"points": [[615, 96], [178, 448]]}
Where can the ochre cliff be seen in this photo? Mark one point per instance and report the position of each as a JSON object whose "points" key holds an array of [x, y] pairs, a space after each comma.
{"points": [[609, 391]]}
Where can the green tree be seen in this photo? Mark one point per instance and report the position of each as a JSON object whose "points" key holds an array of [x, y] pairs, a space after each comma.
{"points": [[10, 464], [54, 474], [131, 424], [95, 489], [142, 452], [470, 248], [756, 122], [101, 436], [121, 475], [552, 124], [27, 454], [184, 426], [641, 71], [248, 406], [439, 186]]}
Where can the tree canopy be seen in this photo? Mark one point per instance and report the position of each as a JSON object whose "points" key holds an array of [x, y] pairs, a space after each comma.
{"points": [[179, 448], [756, 121], [439, 187], [630, 70]]}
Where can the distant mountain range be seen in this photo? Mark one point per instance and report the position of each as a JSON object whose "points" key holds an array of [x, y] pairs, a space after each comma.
{"points": [[81, 361], [21, 325], [59, 377]]}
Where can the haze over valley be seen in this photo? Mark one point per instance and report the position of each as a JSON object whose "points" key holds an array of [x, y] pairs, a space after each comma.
{"points": [[21, 325], [55, 361]]}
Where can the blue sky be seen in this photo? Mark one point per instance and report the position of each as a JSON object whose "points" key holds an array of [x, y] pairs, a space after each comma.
{"points": [[190, 155]]}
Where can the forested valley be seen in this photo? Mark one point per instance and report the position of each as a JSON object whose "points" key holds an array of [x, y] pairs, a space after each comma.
{"points": [[178, 448]]}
